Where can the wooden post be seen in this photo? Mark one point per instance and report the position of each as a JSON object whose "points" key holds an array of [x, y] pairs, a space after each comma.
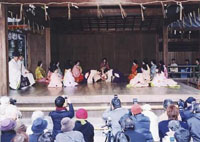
{"points": [[4, 82], [48, 47], [165, 44]]}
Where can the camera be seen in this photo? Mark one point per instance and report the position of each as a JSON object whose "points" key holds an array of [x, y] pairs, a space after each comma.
{"points": [[65, 96], [13, 101]]}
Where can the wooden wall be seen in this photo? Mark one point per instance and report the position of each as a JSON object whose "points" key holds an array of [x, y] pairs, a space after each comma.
{"points": [[36, 50], [120, 48]]}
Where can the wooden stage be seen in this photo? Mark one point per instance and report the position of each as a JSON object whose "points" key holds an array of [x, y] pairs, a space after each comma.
{"points": [[96, 97], [107, 90]]}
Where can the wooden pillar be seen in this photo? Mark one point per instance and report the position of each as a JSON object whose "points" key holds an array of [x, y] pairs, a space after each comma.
{"points": [[48, 47], [4, 83], [165, 44]]}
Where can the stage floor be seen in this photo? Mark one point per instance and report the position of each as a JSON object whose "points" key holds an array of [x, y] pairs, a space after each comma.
{"points": [[103, 88]]}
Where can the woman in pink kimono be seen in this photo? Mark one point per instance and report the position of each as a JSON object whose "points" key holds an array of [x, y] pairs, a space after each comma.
{"points": [[55, 80], [77, 72]]}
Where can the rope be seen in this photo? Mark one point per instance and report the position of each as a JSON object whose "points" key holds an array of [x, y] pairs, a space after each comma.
{"points": [[99, 11], [123, 13], [142, 11], [21, 11], [69, 11]]}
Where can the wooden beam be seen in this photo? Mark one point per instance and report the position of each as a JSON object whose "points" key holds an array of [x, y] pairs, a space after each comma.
{"points": [[165, 44], [4, 82], [48, 47]]}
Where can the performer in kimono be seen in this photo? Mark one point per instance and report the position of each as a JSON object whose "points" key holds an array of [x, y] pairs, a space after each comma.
{"points": [[14, 72], [69, 80], [160, 79], [133, 70], [153, 69], [24, 71], [139, 80], [59, 70], [77, 72], [40, 73], [146, 71], [50, 71], [104, 65], [114, 76], [93, 76], [162, 65], [56, 80]]}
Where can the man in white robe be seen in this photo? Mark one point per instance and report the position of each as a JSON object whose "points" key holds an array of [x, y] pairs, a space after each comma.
{"points": [[14, 72], [24, 71]]}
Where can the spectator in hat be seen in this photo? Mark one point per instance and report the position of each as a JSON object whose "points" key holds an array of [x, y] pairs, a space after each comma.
{"points": [[68, 135], [147, 111], [60, 113], [7, 129], [82, 125], [194, 123], [172, 113], [114, 113], [14, 71], [142, 123], [8, 110], [129, 130], [38, 127]]}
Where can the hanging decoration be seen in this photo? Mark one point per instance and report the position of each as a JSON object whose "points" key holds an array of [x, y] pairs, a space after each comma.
{"points": [[163, 10], [181, 10], [0, 9], [45, 12], [123, 13], [21, 11], [69, 11], [142, 11], [99, 11]]}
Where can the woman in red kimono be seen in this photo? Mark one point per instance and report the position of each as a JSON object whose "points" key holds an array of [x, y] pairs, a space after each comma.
{"points": [[133, 70], [77, 72]]}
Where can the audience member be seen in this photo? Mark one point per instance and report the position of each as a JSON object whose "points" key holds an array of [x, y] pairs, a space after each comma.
{"points": [[147, 111], [38, 127], [60, 112], [115, 112], [142, 123], [172, 113], [194, 123], [7, 129], [166, 103], [197, 69], [68, 135], [82, 125]]}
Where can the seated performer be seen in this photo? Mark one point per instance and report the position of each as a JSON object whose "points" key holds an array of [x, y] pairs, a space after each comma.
{"points": [[162, 65], [133, 70], [114, 76], [24, 71], [14, 72], [77, 72], [146, 72], [104, 65], [93, 76], [68, 77], [160, 79], [55, 80], [138, 80], [50, 71], [59, 70], [153, 69], [40, 73]]}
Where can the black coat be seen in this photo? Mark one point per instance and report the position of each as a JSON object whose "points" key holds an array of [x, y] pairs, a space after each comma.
{"points": [[134, 136], [87, 130]]}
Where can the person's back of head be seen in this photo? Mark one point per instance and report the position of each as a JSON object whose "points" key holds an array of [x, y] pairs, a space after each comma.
{"points": [[116, 103], [59, 101], [172, 112], [46, 137], [5, 100], [166, 103]]}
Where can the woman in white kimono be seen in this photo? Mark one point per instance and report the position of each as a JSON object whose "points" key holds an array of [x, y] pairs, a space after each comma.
{"points": [[25, 72], [56, 80], [160, 79], [153, 69], [93, 76], [139, 80], [69, 80], [14, 72]]}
